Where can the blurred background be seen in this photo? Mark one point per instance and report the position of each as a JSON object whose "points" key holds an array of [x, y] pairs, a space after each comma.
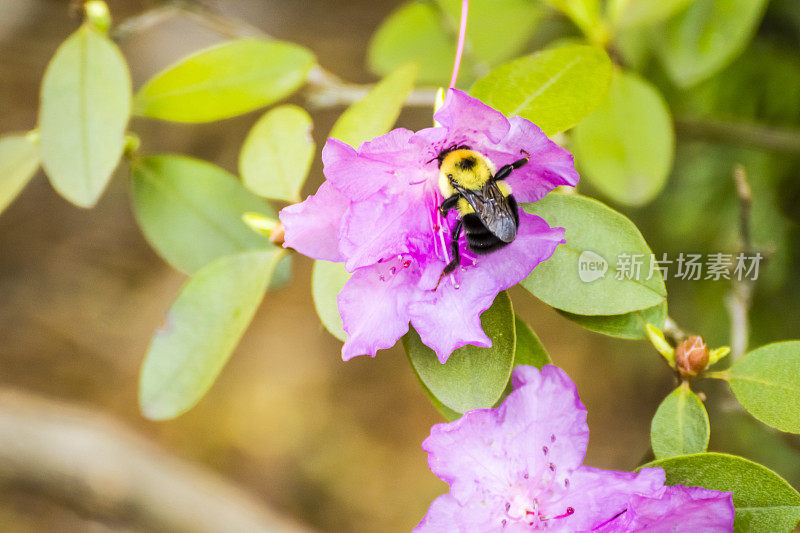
{"points": [[289, 429]]}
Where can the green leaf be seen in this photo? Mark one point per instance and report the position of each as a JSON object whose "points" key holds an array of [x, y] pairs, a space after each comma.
{"points": [[277, 153], [555, 89], [625, 148], [573, 280], [497, 30], [472, 377], [680, 425], [190, 210], [413, 32], [447, 413], [584, 13], [224, 81], [201, 331], [529, 349], [707, 36], [764, 501], [636, 13], [766, 382], [85, 106], [327, 280], [425, 32], [19, 161], [626, 326], [377, 112]]}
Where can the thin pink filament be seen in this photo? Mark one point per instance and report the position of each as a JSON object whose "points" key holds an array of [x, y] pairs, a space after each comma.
{"points": [[462, 34]]}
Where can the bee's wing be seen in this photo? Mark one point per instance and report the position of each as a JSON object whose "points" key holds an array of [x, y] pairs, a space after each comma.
{"points": [[493, 209]]}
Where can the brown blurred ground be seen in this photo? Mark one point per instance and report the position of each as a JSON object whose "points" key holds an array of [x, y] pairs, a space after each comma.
{"points": [[332, 444]]}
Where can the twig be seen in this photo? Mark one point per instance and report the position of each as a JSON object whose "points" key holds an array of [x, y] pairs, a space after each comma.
{"points": [[143, 21], [99, 468], [673, 333], [739, 299], [219, 22], [326, 89], [736, 132]]}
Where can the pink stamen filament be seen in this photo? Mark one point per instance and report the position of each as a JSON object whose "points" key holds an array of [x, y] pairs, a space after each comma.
{"points": [[462, 34]]}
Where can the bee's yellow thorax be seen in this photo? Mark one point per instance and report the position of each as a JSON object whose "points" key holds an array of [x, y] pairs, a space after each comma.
{"points": [[467, 168]]}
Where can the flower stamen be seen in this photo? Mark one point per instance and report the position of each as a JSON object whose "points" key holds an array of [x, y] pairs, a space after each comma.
{"points": [[462, 35]]}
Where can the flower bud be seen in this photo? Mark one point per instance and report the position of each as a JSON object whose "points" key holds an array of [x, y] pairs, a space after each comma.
{"points": [[691, 357]]}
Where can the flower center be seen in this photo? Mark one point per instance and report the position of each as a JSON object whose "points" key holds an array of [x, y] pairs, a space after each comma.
{"points": [[389, 268], [523, 507]]}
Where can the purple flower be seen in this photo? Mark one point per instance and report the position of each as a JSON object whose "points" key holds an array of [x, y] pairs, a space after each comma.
{"points": [[519, 468], [377, 213]]}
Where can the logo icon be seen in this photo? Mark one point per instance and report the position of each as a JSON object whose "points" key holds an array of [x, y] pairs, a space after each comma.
{"points": [[591, 266]]}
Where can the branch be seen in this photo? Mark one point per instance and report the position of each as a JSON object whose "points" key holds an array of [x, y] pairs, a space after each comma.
{"points": [[736, 132], [95, 466], [673, 333], [740, 298]]}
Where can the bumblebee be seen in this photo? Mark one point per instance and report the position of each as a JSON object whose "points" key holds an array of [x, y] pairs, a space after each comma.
{"points": [[487, 211]]}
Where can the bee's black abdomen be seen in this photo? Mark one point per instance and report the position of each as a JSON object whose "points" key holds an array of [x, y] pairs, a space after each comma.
{"points": [[479, 239]]}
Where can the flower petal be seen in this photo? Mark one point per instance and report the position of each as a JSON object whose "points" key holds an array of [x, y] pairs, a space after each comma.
{"points": [[468, 118], [356, 177], [677, 509], [536, 241], [450, 318], [312, 226], [446, 515], [548, 400], [597, 496], [385, 226], [373, 306], [549, 165], [489, 450]]}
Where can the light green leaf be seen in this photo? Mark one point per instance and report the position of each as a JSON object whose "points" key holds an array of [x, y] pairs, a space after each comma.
{"points": [[766, 382], [327, 280], [425, 32], [277, 153], [637, 13], [19, 161], [472, 377], [190, 210], [555, 89], [377, 112], [680, 425], [201, 331], [764, 501], [529, 349], [602, 245], [497, 30], [627, 326], [413, 32], [224, 81], [584, 13], [85, 106], [625, 148], [708, 35]]}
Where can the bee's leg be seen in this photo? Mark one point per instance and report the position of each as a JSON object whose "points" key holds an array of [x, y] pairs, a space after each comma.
{"points": [[453, 264], [448, 204], [505, 171]]}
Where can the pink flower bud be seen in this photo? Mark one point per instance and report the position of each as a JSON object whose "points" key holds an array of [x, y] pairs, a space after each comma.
{"points": [[691, 357]]}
